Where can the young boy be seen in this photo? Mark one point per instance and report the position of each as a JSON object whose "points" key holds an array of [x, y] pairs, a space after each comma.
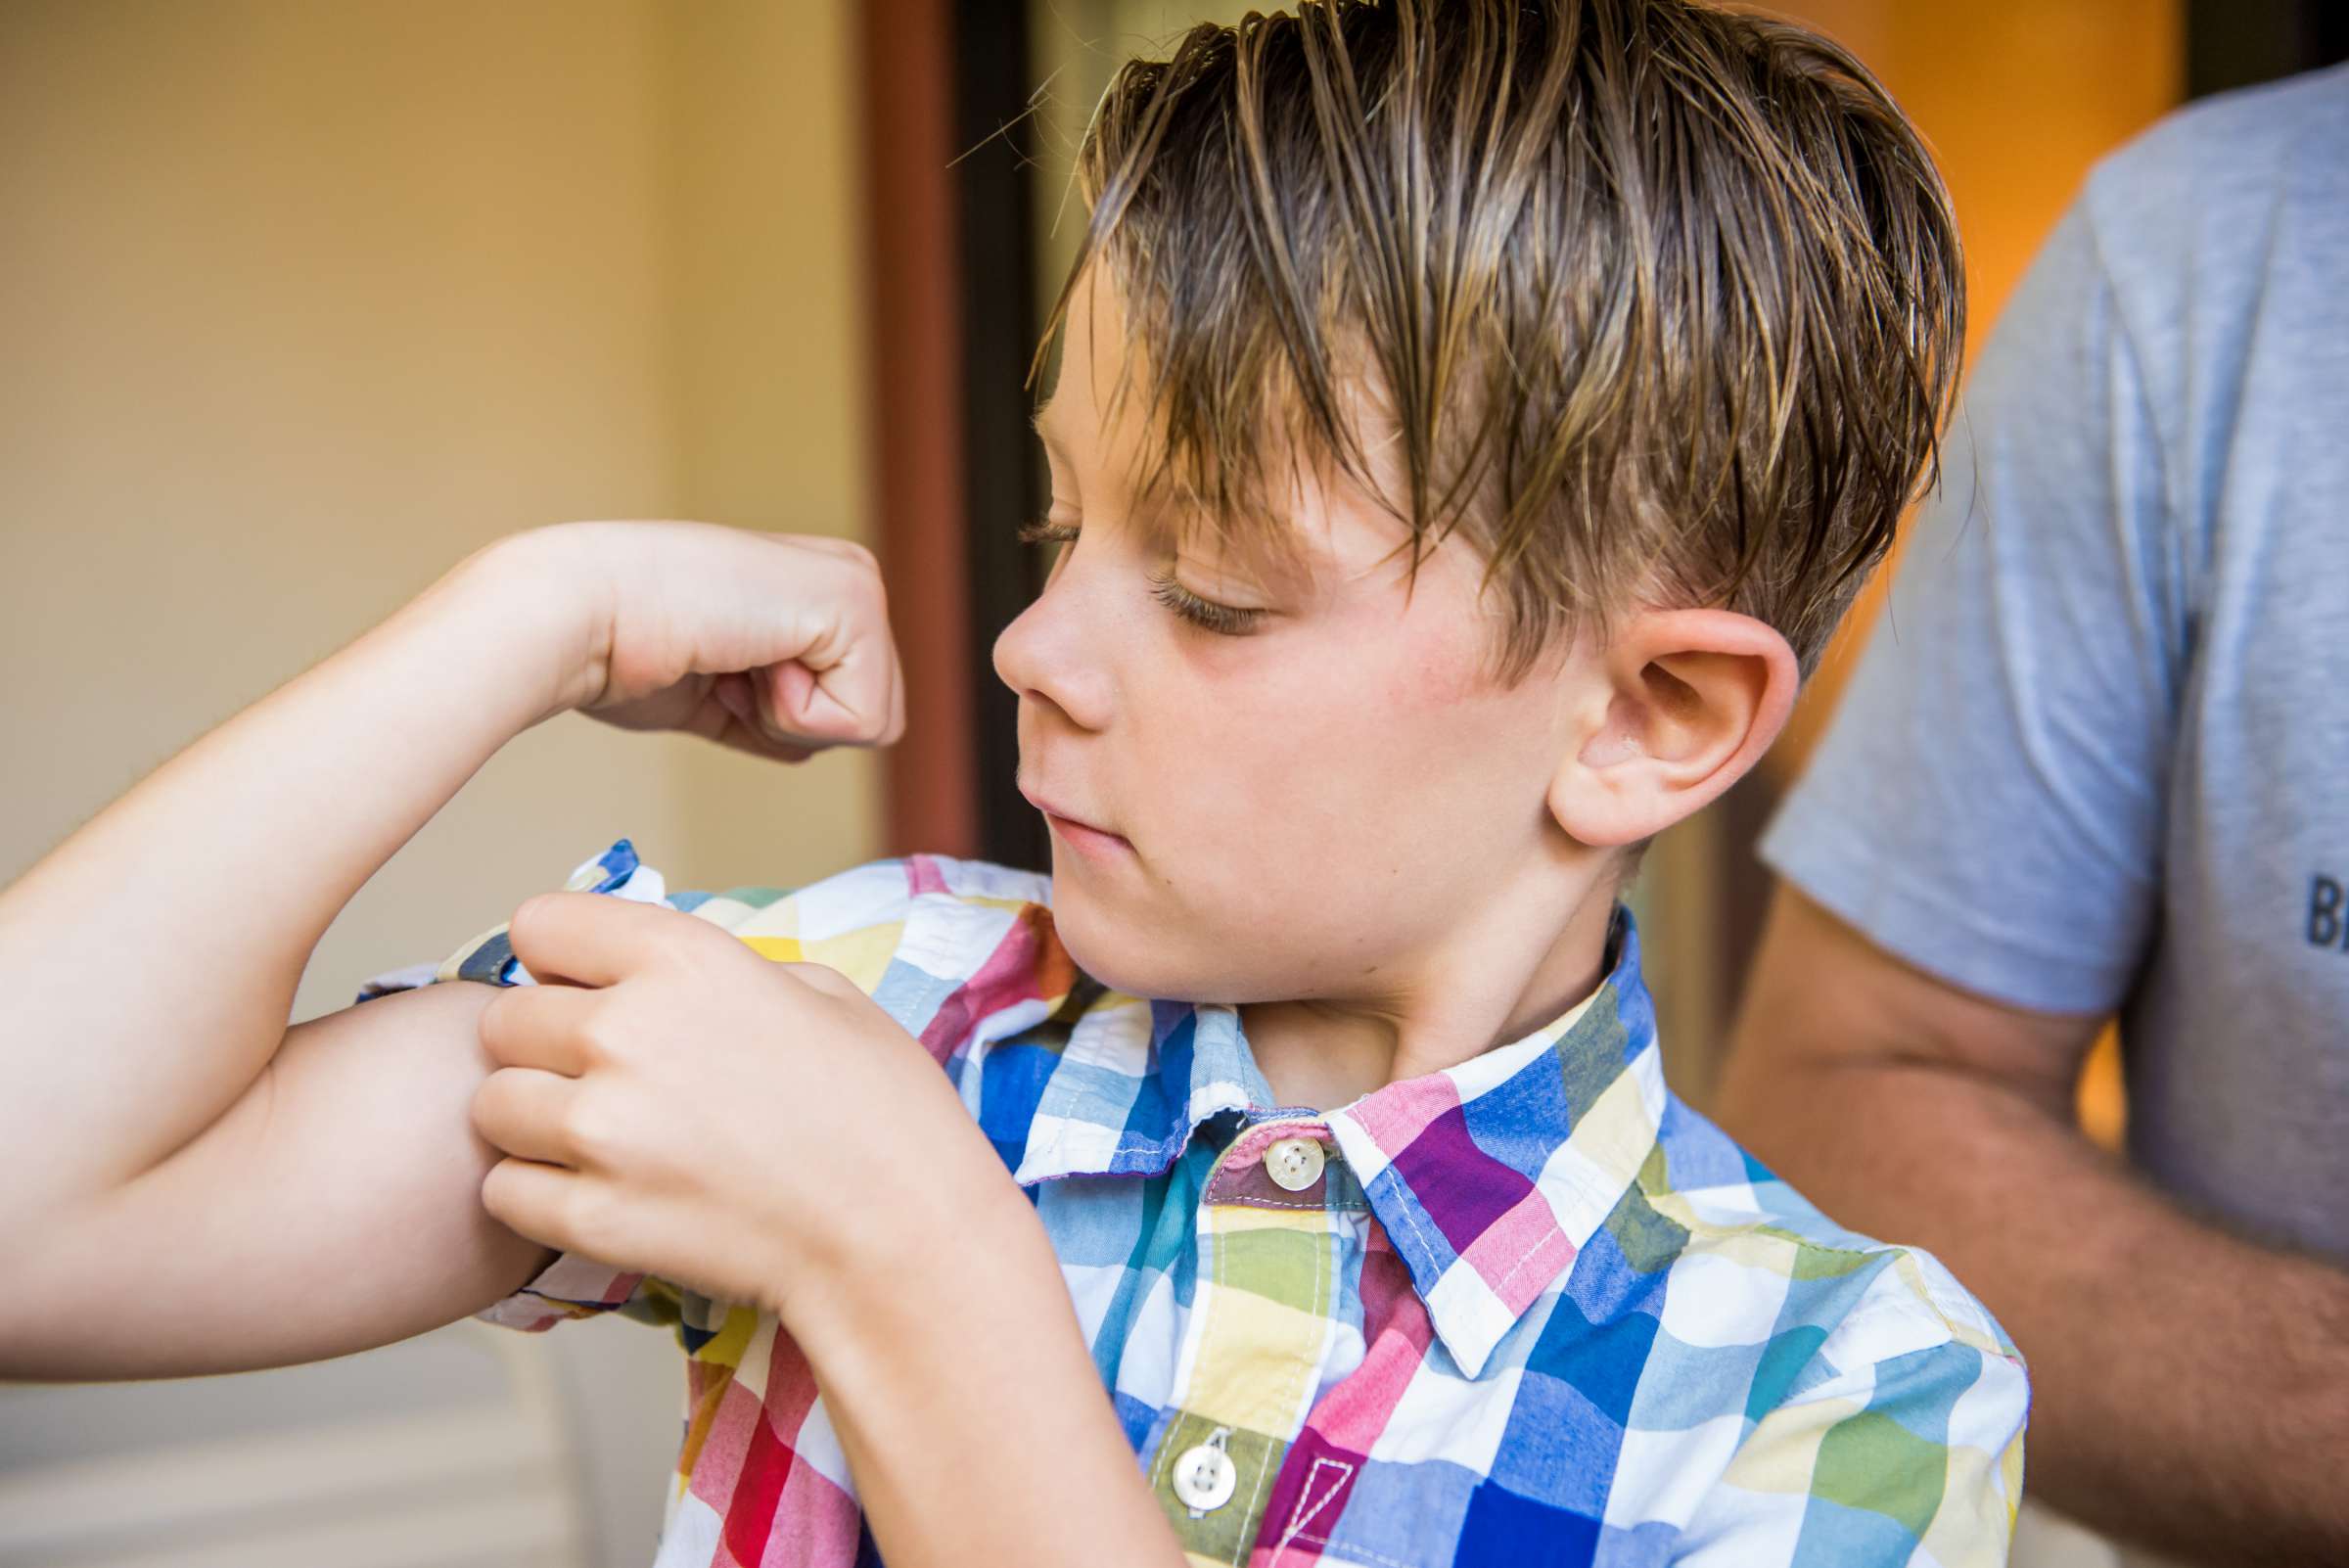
{"points": [[1469, 424]]}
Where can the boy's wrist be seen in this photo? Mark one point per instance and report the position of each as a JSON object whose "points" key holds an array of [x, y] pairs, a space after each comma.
{"points": [[962, 1387], [545, 608], [986, 1255]]}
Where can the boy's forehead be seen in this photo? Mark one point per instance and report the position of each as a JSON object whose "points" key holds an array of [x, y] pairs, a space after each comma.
{"points": [[1306, 526], [1306, 515]]}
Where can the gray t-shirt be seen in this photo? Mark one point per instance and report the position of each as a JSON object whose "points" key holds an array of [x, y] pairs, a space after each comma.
{"points": [[2097, 758]]}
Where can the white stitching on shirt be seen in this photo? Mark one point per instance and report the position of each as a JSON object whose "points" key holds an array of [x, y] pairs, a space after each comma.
{"points": [[1293, 1385], [1300, 1516], [1411, 1215], [1368, 1555], [1545, 1244]]}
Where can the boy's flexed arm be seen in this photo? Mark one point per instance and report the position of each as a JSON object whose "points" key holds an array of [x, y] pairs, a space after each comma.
{"points": [[151, 960]]}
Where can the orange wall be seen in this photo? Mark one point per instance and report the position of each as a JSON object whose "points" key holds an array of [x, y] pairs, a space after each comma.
{"points": [[2018, 99]]}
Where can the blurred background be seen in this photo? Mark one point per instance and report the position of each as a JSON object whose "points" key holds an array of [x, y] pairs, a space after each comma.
{"points": [[300, 301]]}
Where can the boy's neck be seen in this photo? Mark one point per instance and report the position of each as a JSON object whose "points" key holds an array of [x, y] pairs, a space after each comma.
{"points": [[1494, 980]]}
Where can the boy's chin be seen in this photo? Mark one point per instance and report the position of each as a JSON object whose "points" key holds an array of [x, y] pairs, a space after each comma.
{"points": [[1095, 951], [1121, 954]]}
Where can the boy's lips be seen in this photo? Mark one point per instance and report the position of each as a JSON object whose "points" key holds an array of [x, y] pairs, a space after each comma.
{"points": [[1080, 834]]}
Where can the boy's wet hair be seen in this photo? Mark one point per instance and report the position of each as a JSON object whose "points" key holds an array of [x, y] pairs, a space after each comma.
{"points": [[1656, 303]]}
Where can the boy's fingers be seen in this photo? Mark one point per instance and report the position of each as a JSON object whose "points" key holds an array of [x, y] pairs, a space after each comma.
{"points": [[532, 1199], [844, 689], [524, 1112], [539, 1025], [592, 939]]}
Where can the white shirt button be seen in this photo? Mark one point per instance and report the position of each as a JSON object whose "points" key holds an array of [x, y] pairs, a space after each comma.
{"points": [[1294, 1164], [1205, 1477]]}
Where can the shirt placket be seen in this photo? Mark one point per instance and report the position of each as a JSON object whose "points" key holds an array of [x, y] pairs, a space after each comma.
{"points": [[1263, 1323]]}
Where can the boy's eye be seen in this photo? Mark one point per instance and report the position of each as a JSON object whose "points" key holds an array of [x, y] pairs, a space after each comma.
{"points": [[1044, 530], [1224, 619]]}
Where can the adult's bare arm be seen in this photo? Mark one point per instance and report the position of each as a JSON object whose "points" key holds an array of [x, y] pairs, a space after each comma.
{"points": [[2191, 1386]]}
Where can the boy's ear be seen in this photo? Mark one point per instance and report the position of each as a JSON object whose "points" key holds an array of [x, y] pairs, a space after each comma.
{"points": [[1688, 699]]}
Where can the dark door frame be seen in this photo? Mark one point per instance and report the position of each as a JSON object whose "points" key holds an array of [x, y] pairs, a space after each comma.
{"points": [[950, 325], [2240, 43]]}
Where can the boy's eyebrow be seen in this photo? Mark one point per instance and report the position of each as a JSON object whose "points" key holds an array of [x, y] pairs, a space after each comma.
{"points": [[1047, 430], [1277, 559]]}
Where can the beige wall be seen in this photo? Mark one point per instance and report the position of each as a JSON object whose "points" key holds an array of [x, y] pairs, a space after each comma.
{"points": [[770, 395], [300, 302], [1074, 48], [2019, 98]]}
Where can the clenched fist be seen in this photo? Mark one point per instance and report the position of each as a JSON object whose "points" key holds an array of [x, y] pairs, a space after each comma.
{"points": [[773, 644]]}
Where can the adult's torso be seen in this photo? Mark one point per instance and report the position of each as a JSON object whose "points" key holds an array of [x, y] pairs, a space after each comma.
{"points": [[2236, 1035]]}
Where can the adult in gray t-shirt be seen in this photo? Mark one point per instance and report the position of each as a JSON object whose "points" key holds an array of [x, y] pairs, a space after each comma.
{"points": [[2096, 762]]}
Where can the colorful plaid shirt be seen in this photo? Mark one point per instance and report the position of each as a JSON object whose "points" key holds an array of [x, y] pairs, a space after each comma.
{"points": [[1528, 1309]]}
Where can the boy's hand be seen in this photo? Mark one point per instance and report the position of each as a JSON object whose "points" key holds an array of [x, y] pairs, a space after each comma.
{"points": [[761, 1133], [773, 644]]}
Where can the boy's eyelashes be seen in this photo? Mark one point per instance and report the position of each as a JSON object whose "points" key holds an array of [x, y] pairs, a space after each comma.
{"points": [[1228, 620], [1222, 619], [1044, 530]]}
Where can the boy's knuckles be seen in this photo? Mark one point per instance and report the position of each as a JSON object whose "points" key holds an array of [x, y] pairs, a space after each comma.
{"points": [[870, 589], [849, 552], [583, 1216], [600, 1040], [676, 938], [859, 597], [591, 1133]]}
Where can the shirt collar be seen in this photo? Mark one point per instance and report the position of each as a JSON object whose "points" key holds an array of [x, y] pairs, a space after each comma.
{"points": [[1488, 1177]]}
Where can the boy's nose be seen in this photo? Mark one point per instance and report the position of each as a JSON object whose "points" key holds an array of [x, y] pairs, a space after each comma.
{"points": [[1046, 655]]}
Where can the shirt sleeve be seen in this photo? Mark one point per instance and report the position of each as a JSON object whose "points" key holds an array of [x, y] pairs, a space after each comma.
{"points": [[857, 923], [573, 1286], [1989, 804], [1900, 1445]]}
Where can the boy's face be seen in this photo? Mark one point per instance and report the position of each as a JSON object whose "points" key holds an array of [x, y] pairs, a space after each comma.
{"points": [[1312, 794]]}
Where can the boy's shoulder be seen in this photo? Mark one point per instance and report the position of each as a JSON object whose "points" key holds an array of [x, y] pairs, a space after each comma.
{"points": [[962, 953], [1757, 1252], [881, 890], [874, 894], [1792, 1362], [946, 915]]}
